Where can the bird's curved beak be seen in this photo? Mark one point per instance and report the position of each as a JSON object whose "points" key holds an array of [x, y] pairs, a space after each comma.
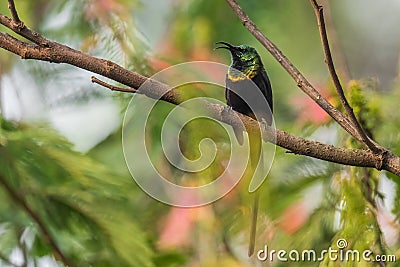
{"points": [[227, 46]]}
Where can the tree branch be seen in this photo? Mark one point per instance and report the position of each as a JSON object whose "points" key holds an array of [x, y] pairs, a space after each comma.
{"points": [[19, 200], [305, 86], [301, 81], [58, 53], [319, 13]]}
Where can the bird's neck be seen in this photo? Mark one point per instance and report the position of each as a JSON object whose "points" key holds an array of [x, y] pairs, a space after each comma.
{"points": [[240, 71]]}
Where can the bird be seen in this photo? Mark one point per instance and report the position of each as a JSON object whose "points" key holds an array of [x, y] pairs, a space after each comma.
{"points": [[246, 70], [245, 76]]}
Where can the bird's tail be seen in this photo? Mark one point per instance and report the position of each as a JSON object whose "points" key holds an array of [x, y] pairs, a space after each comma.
{"points": [[258, 158], [253, 229]]}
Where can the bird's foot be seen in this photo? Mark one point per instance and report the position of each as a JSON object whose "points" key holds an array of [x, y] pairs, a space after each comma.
{"points": [[227, 109], [264, 129], [236, 128]]}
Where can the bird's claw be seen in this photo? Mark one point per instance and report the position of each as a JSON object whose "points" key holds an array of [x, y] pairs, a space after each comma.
{"points": [[237, 130], [264, 129], [227, 109]]}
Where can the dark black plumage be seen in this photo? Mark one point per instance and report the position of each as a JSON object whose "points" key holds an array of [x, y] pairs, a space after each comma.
{"points": [[246, 88]]}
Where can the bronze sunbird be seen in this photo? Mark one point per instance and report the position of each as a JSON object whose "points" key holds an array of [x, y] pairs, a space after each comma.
{"points": [[245, 75]]}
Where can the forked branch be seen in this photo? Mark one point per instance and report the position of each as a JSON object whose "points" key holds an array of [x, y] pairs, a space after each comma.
{"points": [[351, 125], [319, 13], [46, 50], [298, 77]]}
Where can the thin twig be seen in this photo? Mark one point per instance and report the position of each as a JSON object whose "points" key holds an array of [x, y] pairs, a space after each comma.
{"points": [[13, 11], [319, 13], [22, 30], [340, 57], [301, 81], [112, 87], [19, 200]]}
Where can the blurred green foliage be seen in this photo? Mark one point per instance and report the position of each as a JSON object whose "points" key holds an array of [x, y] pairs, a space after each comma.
{"points": [[81, 202], [98, 216]]}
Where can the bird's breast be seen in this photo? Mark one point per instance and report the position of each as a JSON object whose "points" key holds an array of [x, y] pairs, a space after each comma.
{"points": [[236, 75]]}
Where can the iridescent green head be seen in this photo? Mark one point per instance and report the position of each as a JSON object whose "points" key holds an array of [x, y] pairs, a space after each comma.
{"points": [[244, 58]]}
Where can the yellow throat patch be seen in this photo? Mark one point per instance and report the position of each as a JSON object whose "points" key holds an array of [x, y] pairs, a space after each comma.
{"points": [[240, 76]]}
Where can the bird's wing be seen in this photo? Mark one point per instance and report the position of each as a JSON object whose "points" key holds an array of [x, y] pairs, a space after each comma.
{"points": [[227, 85], [265, 87]]}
